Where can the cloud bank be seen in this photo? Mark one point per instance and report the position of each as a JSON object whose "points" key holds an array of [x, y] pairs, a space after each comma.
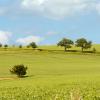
{"points": [[59, 8], [5, 37], [55, 9], [29, 39]]}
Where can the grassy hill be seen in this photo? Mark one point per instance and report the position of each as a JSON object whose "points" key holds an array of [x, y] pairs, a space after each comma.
{"points": [[51, 75], [54, 47]]}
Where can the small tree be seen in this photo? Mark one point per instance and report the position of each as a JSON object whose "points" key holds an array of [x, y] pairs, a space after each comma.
{"points": [[33, 45], [88, 45], [94, 50], [83, 43], [5, 46], [0, 45], [20, 46], [66, 43], [27, 46], [19, 70]]}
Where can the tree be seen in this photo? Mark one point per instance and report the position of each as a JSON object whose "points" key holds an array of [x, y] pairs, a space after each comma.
{"points": [[66, 43], [20, 46], [0, 45], [33, 45], [83, 43], [88, 45], [94, 50], [5, 46], [27, 46], [19, 70]]}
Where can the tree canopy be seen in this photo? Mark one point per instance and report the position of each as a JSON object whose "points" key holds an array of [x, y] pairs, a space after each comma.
{"points": [[83, 43], [0, 45], [19, 70], [66, 43], [33, 45]]}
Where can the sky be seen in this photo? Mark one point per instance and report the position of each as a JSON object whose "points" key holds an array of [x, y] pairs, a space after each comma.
{"points": [[48, 21]]}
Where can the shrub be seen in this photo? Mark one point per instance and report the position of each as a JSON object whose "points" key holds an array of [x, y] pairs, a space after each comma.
{"points": [[0, 45], [5, 46], [19, 70], [94, 50], [20, 46], [33, 45], [27, 46]]}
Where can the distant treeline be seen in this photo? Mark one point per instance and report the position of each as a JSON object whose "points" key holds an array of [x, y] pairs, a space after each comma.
{"points": [[65, 42]]}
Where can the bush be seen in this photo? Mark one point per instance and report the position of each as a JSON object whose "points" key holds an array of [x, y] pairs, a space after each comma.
{"points": [[19, 70], [94, 50], [20, 46], [27, 46], [33, 45], [0, 45], [5, 46]]}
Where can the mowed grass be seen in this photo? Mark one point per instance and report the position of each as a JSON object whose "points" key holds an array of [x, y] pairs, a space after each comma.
{"points": [[51, 75], [55, 47]]}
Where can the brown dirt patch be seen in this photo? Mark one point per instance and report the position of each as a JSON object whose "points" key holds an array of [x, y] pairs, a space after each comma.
{"points": [[6, 78]]}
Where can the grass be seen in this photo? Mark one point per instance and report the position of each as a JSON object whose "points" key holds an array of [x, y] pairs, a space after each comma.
{"points": [[51, 75]]}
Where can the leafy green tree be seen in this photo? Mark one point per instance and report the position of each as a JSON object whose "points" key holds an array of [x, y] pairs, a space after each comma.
{"points": [[66, 43], [20, 46], [0, 45], [94, 50], [5, 46], [19, 70], [27, 46], [33, 45], [88, 45], [83, 43]]}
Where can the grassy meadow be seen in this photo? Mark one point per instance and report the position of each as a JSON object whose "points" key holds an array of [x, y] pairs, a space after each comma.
{"points": [[52, 75]]}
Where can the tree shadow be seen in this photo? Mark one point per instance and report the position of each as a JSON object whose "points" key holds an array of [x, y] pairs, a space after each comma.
{"points": [[26, 76]]}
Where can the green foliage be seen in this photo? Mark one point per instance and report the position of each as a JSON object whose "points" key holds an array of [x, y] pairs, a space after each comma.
{"points": [[19, 70], [88, 45], [20, 46], [66, 43], [27, 46], [53, 75], [0, 45], [86, 92], [94, 50], [5, 45], [83, 43], [33, 45]]}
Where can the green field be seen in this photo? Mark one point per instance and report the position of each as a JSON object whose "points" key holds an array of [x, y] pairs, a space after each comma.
{"points": [[52, 75]]}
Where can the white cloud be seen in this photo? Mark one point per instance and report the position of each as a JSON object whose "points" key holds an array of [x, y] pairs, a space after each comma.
{"points": [[58, 8], [98, 7], [29, 39], [5, 37]]}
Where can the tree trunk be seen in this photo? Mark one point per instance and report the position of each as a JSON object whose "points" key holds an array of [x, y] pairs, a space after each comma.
{"points": [[65, 49], [82, 49]]}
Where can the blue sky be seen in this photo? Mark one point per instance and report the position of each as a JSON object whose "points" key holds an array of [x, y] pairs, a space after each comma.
{"points": [[47, 21]]}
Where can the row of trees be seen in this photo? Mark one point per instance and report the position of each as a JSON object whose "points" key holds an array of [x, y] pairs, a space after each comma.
{"points": [[3, 45], [32, 44], [68, 43], [20, 70]]}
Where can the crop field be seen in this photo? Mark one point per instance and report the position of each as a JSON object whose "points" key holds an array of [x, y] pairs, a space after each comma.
{"points": [[51, 75]]}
